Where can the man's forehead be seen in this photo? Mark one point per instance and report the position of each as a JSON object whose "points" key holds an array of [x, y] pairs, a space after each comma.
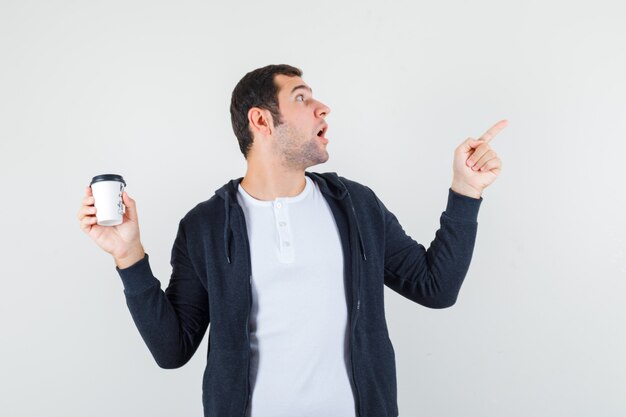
{"points": [[288, 84]]}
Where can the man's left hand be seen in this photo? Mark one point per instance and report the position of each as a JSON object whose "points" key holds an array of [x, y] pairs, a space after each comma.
{"points": [[476, 165]]}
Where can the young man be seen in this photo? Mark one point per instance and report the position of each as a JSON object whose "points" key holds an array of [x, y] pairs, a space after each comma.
{"points": [[289, 266]]}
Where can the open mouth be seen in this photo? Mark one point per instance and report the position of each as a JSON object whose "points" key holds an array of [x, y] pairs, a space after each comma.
{"points": [[322, 131]]}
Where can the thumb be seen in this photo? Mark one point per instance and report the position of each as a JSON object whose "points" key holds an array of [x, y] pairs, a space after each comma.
{"points": [[131, 207]]}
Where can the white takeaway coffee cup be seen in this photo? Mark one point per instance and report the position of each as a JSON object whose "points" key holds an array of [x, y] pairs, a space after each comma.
{"points": [[107, 192]]}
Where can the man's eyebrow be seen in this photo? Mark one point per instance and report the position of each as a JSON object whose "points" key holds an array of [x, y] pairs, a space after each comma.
{"points": [[301, 86]]}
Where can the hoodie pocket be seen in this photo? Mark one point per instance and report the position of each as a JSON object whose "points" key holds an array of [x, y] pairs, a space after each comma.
{"points": [[224, 383], [381, 373]]}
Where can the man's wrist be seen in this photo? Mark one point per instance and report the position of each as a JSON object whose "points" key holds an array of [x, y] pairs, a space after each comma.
{"points": [[465, 190], [135, 255]]}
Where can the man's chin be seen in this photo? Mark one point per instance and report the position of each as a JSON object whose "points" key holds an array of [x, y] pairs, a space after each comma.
{"points": [[319, 161]]}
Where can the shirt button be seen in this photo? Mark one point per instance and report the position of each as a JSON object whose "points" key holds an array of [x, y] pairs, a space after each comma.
{"points": [[286, 243], [282, 224], [278, 205]]}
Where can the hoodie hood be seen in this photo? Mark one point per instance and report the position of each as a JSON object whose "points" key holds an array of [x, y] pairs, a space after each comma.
{"points": [[329, 184]]}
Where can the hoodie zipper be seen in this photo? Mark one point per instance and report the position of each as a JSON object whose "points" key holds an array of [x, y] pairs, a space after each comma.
{"points": [[358, 396], [355, 269], [245, 234]]}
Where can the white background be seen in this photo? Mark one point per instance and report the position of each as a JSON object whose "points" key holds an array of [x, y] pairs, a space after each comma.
{"points": [[142, 89]]}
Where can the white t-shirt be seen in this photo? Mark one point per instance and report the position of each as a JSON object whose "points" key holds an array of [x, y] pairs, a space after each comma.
{"points": [[300, 364]]}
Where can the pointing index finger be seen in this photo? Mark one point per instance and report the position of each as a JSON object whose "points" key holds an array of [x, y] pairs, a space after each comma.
{"points": [[493, 131]]}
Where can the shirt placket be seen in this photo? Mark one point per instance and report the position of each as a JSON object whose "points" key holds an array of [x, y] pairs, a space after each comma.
{"points": [[283, 228]]}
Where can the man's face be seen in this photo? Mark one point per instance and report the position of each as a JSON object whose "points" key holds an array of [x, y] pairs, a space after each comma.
{"points": [[296, 138]]}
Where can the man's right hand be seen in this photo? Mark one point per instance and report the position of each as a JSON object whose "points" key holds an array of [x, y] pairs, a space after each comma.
{"points": [[121, 241]]}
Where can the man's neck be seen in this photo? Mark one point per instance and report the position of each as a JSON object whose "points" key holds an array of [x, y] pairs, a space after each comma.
{"points": [[271, 182]]}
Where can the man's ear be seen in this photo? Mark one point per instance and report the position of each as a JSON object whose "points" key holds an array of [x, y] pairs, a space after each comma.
{"points": [[261, 121]]}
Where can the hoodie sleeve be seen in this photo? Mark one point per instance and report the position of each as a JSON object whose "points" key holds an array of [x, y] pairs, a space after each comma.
{"points": [[173, 322], [432, 277]]}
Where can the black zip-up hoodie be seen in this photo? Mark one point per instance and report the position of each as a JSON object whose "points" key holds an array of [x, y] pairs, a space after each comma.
{"points": [[210, 283]]}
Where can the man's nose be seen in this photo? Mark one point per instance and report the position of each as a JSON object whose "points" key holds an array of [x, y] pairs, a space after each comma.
{"points": [[323, 110]]}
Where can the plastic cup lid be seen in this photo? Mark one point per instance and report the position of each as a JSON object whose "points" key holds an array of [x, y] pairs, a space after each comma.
{"points": [[108, 177]]}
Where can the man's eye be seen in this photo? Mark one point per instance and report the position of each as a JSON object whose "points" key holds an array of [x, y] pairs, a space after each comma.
{"points": [[299, 95]]}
